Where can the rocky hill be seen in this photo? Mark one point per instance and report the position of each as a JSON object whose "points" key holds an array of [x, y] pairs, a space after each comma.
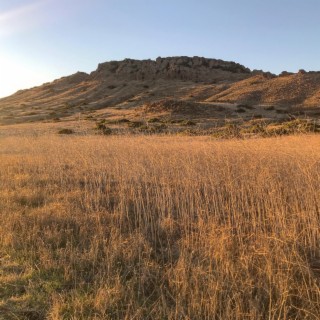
{"points": [[128, 87]]}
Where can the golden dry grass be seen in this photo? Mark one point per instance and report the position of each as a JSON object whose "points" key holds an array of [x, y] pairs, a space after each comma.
{"points": [[159, 228]]}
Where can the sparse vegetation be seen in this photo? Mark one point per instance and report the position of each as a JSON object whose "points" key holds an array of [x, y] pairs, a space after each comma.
{"points": [[265, 129], [158, 128], [188, 123], [173, 121], [135, 124], [258, 128], [297, 126], [103, 129], [117, 121], [228, 131], [153, 120]]}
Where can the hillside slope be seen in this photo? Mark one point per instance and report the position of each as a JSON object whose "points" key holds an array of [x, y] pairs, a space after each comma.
{"points": [[296, 89], [129, 85]]}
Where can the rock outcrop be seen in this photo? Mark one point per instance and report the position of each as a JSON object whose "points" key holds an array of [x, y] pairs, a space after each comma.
{"points": [[174, 68]]}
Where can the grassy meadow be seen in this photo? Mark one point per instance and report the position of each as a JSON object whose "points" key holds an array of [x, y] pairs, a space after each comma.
{"points": [[159, 227]]}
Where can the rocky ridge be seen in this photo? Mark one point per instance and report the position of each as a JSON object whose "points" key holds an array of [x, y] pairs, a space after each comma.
{"points": [[174, 68]]}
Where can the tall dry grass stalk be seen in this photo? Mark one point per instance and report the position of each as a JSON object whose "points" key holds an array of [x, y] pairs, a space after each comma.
{"points": [[159, 228]]}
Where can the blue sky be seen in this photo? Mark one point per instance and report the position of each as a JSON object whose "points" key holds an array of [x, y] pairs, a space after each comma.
{"points": [[41, 40]]}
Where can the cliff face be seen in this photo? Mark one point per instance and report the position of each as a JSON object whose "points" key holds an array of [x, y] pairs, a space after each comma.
{"points": [[174, 68]]}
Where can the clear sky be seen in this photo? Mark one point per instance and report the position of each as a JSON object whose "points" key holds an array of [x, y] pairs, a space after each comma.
{"points": [[41, 40]]}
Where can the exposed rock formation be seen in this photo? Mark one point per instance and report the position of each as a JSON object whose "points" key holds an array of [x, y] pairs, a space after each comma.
{"points": [[179, 68]]}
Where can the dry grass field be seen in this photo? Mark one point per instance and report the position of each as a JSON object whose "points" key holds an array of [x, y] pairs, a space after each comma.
{"points": [[138, 227]]}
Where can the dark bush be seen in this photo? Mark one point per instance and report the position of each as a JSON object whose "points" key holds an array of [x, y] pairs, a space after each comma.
{"points": [[188, 123], [65, 131], [269, 108], [152, 120], [103, 129], [135, 124]]}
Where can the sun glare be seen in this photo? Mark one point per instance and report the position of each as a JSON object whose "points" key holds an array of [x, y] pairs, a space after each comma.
{"points": [[18, 75]]}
